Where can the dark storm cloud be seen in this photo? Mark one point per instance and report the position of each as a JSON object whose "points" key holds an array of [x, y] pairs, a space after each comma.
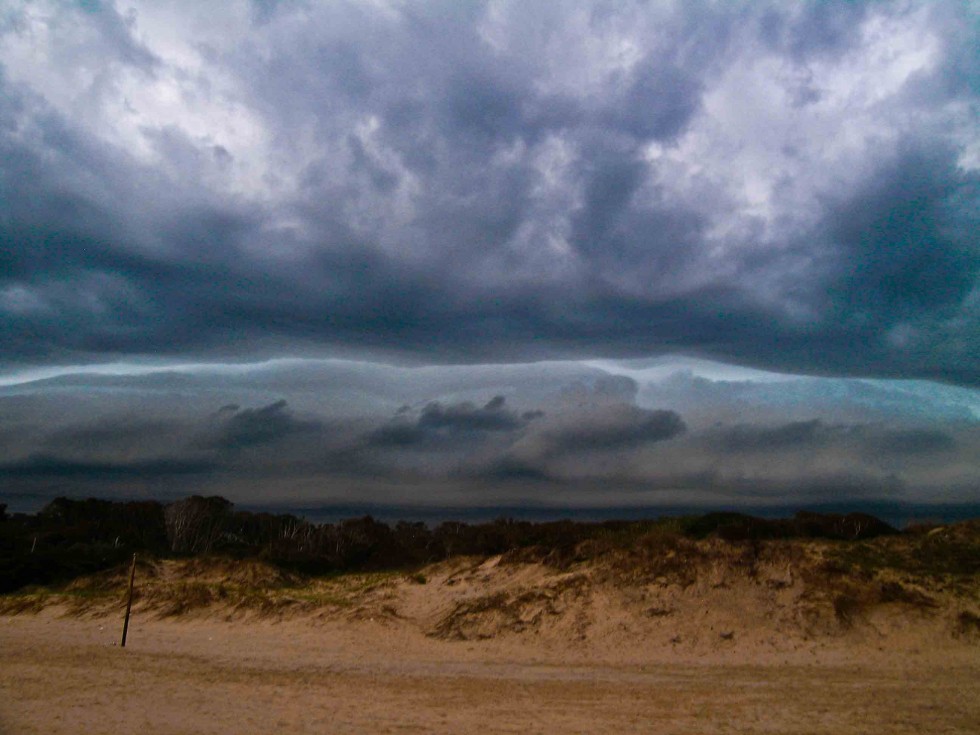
{"points": [[250, 427], [397, 434], [612, 428], [913, 442], [437, 423], [447, 182], [911, 249], [46, 467], [512, 469], [467, 417], [811, 436], [798, 434], [461, 433], [124, 434], [830, 487], [658, 103], [587, 430]]}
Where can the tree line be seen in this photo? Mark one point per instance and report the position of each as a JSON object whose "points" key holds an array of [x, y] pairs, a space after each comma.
{"points": [[70, 537]]}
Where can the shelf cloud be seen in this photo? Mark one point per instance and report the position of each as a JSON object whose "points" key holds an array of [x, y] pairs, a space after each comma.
{"points": [[518, 251], [787, 187]]}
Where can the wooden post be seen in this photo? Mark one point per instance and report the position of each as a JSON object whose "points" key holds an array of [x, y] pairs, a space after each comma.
{"points": [[129, 602]]}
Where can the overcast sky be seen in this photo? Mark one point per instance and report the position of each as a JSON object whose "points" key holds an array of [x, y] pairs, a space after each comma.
{"points": [[477, 252]]}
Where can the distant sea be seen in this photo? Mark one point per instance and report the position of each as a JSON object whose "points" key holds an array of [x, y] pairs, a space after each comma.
{"points": [[895, 513]]}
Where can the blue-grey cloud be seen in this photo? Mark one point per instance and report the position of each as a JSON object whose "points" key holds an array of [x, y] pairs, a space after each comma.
{"points": [[872, 440], [560, 433], [612, 428], [45, 467], [443, 182], [749, 438], [913, 442], [238, 429], [453, 423]]}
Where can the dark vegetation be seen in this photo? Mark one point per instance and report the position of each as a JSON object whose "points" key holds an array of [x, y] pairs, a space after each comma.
{"points": [[71, 538]]}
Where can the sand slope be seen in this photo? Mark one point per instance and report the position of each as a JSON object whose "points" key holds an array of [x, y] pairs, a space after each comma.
{"points": [[707, 636]]}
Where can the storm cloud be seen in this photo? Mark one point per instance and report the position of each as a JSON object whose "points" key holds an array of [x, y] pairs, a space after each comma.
{"points": [[439, 424], [490, 251], [615, 427], [792, 187], [249, 427], [559, 433]]}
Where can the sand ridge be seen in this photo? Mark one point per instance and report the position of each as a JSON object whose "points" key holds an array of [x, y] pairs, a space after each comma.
{"points": [[705, 636]]}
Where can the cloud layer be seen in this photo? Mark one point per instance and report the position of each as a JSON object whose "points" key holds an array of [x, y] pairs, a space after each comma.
{"points": [[788, 186], [559, 434]]}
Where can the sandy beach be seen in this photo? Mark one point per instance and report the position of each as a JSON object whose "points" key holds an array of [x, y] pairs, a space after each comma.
{"points": [[67, 676], [490, 647]]}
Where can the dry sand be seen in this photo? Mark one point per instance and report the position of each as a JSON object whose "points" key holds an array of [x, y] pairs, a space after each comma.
{"points": [[485, 647]]}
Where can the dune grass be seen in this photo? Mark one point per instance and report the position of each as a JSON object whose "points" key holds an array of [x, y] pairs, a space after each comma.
{"points": [[173, 588]]}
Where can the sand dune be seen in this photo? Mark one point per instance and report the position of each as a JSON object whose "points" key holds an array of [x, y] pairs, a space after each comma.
{"points": [[707, 637]]}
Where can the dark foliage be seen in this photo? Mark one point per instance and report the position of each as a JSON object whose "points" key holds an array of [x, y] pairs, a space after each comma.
{"points": [[197, 525], [738, 527], [69, 538], [73, 537]]}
